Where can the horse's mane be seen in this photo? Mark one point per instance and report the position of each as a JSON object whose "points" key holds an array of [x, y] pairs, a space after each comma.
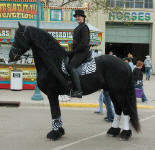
{"points": [[46, 51], [47, 43]]}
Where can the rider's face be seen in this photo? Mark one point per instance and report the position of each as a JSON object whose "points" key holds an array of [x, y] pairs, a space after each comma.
{"points": [[79, 19]]}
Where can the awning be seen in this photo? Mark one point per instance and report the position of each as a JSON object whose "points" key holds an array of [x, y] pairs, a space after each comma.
{"points": [[46, 25]]}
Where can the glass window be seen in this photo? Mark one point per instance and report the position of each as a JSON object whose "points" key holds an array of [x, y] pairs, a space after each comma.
{"points": [[56, 15], [129, 4], [72, 17], [111, 3], [148, 3], [139, 3], [120, 3]]}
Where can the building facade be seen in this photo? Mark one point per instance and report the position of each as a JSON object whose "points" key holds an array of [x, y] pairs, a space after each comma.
{"points": [[57, 21], [132, 30]]}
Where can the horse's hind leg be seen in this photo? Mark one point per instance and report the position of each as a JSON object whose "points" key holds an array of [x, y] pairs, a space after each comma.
{"points": [[126, 132], [57, 129], [115, 129]]}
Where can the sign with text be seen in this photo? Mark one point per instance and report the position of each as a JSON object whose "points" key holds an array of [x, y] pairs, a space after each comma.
{"points": [[130, 16], [4, 74], [5, 33], [67, 35], [95, 36], [18, 10], [61, 34], [28, 75]]}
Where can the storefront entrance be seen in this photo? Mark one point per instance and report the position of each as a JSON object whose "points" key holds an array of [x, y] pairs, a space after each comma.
{"points": [[125, 38], [139, 51]]}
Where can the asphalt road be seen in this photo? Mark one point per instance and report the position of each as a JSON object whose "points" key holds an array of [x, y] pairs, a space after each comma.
{"points": [[26, 128]]}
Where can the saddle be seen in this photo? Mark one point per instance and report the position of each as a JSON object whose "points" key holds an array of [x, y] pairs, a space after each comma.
{"points": [[88, 65]]}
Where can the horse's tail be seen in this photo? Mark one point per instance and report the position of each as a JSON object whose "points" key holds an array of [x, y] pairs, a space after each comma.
{"points": [[132, 104]]}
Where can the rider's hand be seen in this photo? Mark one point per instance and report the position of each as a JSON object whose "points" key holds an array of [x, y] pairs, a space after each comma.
{"points": [[70, 53]]}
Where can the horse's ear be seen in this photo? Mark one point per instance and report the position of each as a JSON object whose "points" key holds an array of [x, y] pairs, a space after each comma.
{"points": [[20, 25]]}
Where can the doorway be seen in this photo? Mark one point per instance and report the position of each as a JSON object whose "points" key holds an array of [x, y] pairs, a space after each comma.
{"points": [[121, 50]]}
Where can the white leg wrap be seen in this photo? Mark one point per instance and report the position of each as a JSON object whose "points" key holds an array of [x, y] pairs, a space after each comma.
{"points": [[126, 124], [115, 123]]}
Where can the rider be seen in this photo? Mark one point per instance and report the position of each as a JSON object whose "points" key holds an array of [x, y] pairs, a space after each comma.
{"points": [[80, 50]]}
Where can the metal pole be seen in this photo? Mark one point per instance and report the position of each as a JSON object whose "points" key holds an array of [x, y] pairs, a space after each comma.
{"points": [[37, 95], [38, 13]]}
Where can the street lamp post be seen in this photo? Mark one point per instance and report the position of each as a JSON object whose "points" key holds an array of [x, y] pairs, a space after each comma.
{"points": [[37, 95]]}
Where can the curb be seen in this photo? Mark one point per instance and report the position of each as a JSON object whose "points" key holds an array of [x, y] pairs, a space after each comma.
{"points": [[62, 104], [93, 105]]}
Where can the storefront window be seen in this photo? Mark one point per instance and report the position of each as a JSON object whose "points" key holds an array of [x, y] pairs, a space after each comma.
{"points": [[27, 58], [56, 15], [4, 52], [72, 17]]}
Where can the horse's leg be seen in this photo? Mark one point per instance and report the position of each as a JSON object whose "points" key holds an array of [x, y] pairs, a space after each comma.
{"points": [[57, 129], [115, 129], [126, 132]]}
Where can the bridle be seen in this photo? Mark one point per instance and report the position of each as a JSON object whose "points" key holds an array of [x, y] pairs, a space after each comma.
{"points": [[19, 50]]}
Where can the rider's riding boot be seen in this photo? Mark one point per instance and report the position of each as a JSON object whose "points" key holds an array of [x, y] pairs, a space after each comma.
{"points": [[76, 81]]}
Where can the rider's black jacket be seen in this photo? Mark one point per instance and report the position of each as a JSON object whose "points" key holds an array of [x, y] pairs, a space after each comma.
{"points": [[81, 38]]}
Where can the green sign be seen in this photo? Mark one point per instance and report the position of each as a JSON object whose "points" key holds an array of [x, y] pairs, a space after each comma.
{"points": [[130, 16]]}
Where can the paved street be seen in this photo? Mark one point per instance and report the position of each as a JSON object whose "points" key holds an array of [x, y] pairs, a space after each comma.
{"points": [[25, 128]]}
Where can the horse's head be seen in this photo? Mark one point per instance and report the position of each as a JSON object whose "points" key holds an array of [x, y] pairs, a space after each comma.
{"points": [[20, 45]]}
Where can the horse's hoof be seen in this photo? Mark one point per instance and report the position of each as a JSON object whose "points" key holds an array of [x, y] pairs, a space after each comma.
{"points": [[55, 135], [113, 132], [62, 131], [125, 135]]}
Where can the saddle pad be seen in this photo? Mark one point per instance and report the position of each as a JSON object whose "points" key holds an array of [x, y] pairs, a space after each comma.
{"points": [[84, 69]]}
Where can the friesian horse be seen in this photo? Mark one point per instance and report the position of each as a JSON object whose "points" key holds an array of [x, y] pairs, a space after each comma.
{"points": [[110, 73]]}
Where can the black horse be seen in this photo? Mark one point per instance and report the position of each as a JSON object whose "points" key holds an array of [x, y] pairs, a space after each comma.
{"points": [[109, 73]]}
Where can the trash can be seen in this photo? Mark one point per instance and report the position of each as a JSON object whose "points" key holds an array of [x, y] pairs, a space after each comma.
{"points": [[16, 80]]}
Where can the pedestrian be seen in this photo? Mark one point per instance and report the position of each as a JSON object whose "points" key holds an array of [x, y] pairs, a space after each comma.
{"points": [[80, 51], [148, 66], [105, 98], [110, 52], [138, 78], [129, 61], [133, 59]]}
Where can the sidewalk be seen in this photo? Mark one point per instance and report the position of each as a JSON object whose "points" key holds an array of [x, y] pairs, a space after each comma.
{"points": [[24, 97]]}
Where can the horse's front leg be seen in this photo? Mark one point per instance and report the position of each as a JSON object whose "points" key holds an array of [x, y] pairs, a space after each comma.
{"points": [[57, 129]]}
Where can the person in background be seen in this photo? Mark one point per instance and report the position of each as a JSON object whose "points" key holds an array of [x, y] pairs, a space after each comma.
{"points": [[133, 59], [129, 61], [105, 98], [138, 78], [148, 66], [110, 53]]}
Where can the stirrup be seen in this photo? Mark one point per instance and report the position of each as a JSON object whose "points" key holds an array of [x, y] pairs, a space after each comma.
{"points": [[77, 94]]}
